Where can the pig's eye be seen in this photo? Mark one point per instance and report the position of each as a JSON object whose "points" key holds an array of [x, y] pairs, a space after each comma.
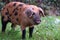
{"points": [[33, 13]]}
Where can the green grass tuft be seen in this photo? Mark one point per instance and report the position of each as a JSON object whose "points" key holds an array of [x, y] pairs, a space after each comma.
{"points": [[46, 30]]}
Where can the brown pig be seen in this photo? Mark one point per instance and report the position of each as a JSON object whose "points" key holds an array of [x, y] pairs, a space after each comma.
{"points": [[21, 14]]}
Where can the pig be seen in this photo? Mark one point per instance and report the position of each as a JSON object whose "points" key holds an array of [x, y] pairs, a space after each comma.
{"points": [[21, 14]]}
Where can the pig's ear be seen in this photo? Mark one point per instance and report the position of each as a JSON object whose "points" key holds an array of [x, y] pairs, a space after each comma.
{"points": [[28, 13], [41, 12]]}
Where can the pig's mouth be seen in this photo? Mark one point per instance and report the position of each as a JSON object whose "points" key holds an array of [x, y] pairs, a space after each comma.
{"points": [[37, 22]]}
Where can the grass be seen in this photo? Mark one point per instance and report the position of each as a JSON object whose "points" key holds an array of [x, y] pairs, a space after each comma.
{"points": [[48, 29]]}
